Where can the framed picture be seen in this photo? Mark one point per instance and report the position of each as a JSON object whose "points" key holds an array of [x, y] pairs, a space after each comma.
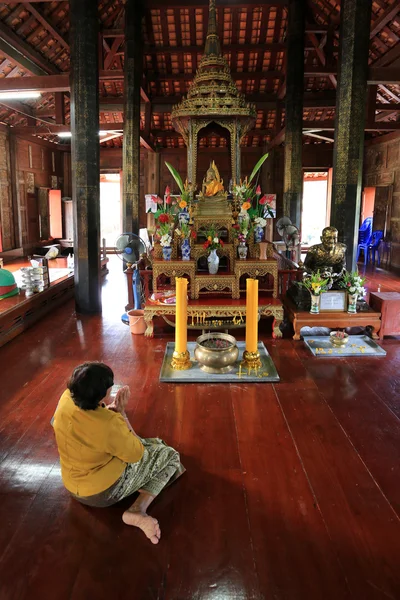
{"points": [[333, 301]]}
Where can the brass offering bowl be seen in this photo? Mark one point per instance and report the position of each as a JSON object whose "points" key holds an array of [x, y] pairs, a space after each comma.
{"points": [[216, 359], [339, 342]]}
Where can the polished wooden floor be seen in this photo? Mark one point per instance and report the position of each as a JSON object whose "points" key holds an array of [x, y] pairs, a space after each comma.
{"points": [[292, 490]]}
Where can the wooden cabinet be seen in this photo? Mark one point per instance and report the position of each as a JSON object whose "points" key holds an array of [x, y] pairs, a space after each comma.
{"points": [[388, 304]]}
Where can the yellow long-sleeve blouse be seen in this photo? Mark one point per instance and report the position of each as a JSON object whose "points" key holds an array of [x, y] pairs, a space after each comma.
{"points": [[94, 446]]}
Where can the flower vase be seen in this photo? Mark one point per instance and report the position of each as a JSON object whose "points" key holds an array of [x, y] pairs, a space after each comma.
{"points": [[263, 250], [186, 249], [213, 262], [258, 234], [242, 250], [184, 216], [352, 303], [315, 300], [167, 252]]}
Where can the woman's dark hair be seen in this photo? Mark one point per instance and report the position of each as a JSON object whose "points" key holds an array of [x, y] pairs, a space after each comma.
{"points": [[89, 384]]}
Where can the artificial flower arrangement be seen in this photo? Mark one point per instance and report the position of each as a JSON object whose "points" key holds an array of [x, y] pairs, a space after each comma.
{"points": [[250, 196], [315, 283], [164, 229], [353, 283], [242, 230], [213, 241], [186, 189], [185, 232]]}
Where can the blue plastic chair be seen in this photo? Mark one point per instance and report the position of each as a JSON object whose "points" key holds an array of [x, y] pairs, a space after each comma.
{"points": [[364, 238], [374, 245]]}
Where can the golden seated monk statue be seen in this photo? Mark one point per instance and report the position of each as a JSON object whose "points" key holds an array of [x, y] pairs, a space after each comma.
{"points": [[213, 198], [329, 256]]}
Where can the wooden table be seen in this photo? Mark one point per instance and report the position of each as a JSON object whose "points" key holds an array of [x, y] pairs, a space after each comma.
{"points": [[333, 320], [388, 303], [172, 269], [258, 268]]}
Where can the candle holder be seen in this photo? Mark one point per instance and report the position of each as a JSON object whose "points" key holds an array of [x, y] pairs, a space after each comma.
{"points": [[251, 360], [181, 361]]}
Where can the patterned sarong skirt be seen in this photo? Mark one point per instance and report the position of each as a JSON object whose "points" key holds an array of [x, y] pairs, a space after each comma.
{"points": [[159, 465]]}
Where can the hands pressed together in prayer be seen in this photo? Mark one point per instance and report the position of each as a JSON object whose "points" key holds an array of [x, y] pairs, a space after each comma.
{"points": [[121, 400], [119, 404]]}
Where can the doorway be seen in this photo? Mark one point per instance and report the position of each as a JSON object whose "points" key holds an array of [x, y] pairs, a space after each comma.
{"points": [[377, 203], [110, 208], [315, 210]]}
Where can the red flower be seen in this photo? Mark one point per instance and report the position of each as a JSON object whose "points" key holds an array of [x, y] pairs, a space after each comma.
{"points": [[193, 234], [258, 190], [263, 200], [167, 191], [173, 201], [163, 218], [235, 226], [206, 244], [169, 199], [159, 200], [221, 242]]}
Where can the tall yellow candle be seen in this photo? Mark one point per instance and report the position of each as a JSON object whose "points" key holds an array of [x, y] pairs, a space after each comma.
{"points": [[251, 315], [181, 315]]}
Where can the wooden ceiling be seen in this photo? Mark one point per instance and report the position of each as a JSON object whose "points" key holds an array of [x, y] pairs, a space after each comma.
{"points": [[34, 44]]}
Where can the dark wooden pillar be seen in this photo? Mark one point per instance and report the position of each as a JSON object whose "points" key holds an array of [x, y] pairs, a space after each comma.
{"points": [[85, 154], [350, 121], [131, 145], [293, 174]]}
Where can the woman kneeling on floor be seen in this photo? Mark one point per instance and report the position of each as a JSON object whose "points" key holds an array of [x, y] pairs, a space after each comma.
{"points": [[102, 459]]}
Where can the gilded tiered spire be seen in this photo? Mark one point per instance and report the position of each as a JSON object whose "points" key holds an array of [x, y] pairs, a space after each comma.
{"points": [[213, 45], [213, 91]]}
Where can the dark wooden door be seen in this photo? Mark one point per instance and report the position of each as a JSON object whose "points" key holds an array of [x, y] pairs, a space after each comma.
{"points": [[44, 217], [382, 208], [33, 219]]}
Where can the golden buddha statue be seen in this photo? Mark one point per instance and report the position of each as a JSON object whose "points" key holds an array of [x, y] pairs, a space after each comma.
{"points": [[212, 184]]}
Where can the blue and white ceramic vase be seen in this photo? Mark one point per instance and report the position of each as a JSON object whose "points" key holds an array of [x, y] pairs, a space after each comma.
{"points": [[167, 252], [258, 234], [184, 216], [186, 249], [213, 262]]}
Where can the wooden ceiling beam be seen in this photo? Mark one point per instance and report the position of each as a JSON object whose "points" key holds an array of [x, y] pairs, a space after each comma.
{"points": [[385, 18], [319, 137], [256, 47], [237, 75], [164, 4], [39, 16], [23, 54], [317, 126], [44, 83], [321, 55]]}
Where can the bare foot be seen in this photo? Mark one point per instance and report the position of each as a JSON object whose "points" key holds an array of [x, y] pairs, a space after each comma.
{"points": [[147, 524]]}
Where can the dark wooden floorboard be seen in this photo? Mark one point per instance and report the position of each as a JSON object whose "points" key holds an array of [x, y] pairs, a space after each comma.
{"points": [[291, 489], [345, 493], [293, 552]]}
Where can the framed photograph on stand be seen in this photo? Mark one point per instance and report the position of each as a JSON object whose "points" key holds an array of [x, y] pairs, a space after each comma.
{"points": [[333, 301]]}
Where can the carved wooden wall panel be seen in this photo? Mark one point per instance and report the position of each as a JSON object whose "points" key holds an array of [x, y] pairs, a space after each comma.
{"points": [[6, 210]]}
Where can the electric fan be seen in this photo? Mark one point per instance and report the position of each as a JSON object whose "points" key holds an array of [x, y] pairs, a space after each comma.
{"points": [[289, 233], [129, 247], [291, 237]]}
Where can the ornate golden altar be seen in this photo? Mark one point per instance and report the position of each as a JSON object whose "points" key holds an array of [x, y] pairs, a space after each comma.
{"points": [[214, 101]]}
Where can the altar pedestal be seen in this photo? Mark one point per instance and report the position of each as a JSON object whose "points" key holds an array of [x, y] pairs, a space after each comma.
{"points": [[205, 314]]}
